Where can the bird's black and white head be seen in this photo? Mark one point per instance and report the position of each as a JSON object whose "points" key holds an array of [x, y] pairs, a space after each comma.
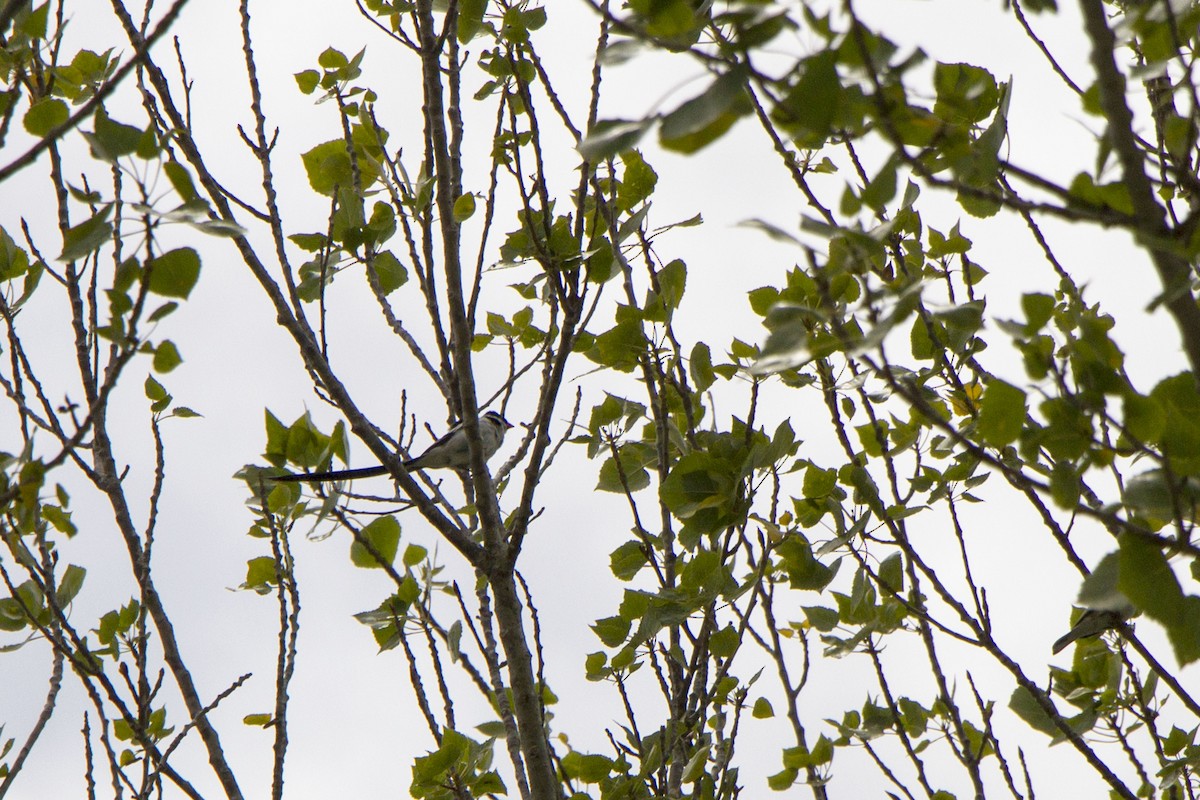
{"points": [[495, 418]]}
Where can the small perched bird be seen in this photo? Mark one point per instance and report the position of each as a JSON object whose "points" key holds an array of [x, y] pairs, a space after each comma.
{"points": [[1093, 622], [451, 451]]}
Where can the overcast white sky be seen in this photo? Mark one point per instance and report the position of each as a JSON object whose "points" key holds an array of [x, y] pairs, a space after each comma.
{"points": [[354, 729]]}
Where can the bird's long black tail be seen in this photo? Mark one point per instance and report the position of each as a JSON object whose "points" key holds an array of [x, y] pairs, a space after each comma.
{"points": [[333, 475]]}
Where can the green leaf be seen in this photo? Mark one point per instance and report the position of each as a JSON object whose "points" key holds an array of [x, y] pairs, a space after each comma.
{"points": [[707, 116], [470, 19], [694, 769], [601, 265], [637, 181], [620, 346], [822, 753], [69, 584], [384, 536], [1147, 579], [803, 569], [965, 93], [703, 489], [148, 146], [45, 115], [762, 709], [414, 554], [700, 368], [12, 616], [979, 205], [1144, 417], [519, 21], [949, 244], [34, 23], [614, 408], [1068, 432], [587, 768], [383, 619], [14, 261], [110, 140], [392, 274], [1037, 308], [627, 560], [821, 618], [1112, 195], [1180, 438], [494, 729], [914, 717], [166, 309], [218, 227], [309, 242], [1001, 413], [809, 109], [609, 137], [123, 731], [166, 357], [724, 643], [464, 207], [1066, 485], [891, 573], [594, 665], [497, 325], [302, 443], [611, 630], [181, 180], [1026, 706], [880, 191], [332, 59], [818, 483], [783, 780], [661, 303], [1156, 498], [920, 341], [1101, 590], [307, 80], [86, 237], [261, 574], [61, 520], [258, 720], [328, 167], [788, 344], [155, 390], [174, 273], [873, 437]]}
